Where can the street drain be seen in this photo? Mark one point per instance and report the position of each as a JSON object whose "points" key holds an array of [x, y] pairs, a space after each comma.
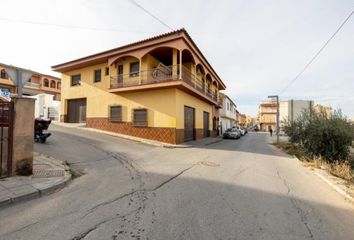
{"points": [[209, 164]]}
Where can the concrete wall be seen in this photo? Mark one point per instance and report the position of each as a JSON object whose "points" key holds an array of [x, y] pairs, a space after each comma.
{"points": [[22, 132], [290, 110]]}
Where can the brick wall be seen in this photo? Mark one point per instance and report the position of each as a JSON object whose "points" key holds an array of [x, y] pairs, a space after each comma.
{"points": [[167, 135]]}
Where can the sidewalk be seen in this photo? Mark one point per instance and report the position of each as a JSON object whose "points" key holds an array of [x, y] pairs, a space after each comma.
{"points": [[48, 176], [191, 144]]}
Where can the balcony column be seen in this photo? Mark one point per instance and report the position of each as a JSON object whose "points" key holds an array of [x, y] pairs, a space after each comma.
{"points": [[174, 64], [195, 76], [180, 64], [139, 71]]}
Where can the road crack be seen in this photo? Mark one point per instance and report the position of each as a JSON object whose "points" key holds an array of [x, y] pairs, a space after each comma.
{"points": [[302, 213], [140, 196]]}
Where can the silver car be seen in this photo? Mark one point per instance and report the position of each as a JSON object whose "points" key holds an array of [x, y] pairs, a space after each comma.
{"points": [[232, 133]]}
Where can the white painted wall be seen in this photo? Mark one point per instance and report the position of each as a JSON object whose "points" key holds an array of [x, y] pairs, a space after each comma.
{"points": [[227, 114], [43, 103]]}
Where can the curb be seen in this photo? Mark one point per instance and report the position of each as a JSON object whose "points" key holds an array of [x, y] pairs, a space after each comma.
{"points": [[39, 192], [325, 179], [338, 189], [135, 139], [329, 182]]}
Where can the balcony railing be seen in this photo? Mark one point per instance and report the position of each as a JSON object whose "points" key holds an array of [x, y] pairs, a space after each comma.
{"points": [[32, 85], [162, 74]]}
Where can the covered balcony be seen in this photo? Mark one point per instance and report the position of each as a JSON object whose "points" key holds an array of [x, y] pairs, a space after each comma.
{"points": [[164, 68]]}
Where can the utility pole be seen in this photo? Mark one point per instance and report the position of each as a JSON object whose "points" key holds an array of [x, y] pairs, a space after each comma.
{"points": [[277, 99]]}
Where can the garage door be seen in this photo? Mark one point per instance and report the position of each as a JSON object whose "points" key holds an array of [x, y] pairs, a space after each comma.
{"points": [[77, 111], [188, 124], [205, 124]]}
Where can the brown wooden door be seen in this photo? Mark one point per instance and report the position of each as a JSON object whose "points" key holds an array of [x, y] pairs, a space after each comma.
{"points": [[205, 124], [189, 123], [77, 111]]}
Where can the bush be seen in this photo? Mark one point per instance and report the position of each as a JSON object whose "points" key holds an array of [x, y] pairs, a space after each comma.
{"points": [[321, 134]]}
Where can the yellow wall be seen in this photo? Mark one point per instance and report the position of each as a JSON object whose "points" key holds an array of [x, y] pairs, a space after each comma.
{"points": [[185, 99], [267, 118], [158, 102]]}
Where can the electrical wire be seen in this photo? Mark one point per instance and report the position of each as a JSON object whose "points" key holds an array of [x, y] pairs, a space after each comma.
{"points": [[149, 13], [317, 54], [71, 26]]}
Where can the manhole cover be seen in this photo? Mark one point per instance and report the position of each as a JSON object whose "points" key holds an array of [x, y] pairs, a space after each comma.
{"points": [[209, 164], [48, 173]]}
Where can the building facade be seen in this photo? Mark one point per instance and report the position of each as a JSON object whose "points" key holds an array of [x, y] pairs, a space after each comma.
{"points": [[267, 113], [161, 88], [38, 83], [227, 113], [289, 110]]}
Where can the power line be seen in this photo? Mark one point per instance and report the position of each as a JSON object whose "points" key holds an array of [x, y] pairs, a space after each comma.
{"points": [[318, 53], [152, 15], [71, 26]]}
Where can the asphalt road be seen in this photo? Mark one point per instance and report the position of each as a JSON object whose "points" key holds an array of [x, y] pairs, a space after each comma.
{"points": [[234, 189]]}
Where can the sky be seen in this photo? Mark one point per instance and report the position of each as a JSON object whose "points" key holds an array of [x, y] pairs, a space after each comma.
{"points": [[257, 47]]}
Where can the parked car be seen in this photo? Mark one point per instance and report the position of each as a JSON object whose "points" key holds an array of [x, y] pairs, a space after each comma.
{"points": [[240, 129], [232, 133]]}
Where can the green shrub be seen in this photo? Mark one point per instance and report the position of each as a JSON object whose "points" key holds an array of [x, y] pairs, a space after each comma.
{"points": [[320, 134]]}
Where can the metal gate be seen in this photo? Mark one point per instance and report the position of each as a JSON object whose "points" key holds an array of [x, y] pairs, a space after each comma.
{"points": [[6, 139]]}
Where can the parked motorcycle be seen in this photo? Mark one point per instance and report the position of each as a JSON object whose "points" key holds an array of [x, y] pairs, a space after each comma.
{"points": [[40, 129]]}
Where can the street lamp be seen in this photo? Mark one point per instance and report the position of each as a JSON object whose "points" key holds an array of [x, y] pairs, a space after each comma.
{"points": [[277, 99]]}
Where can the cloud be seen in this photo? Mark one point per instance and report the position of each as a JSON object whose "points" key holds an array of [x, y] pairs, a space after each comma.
{"points": [[257, 47]]}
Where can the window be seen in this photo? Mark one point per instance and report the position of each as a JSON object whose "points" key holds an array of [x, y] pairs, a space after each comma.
{"points": [[75, 80], [134, 69], [59, 85], [115, 113], [3, 74], [46, 82], [52, 84], [97, 75], [106, 71], [140, 117]]}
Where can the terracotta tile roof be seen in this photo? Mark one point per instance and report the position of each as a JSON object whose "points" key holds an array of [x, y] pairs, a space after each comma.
{"points": [[182, 30], [125, 46]]}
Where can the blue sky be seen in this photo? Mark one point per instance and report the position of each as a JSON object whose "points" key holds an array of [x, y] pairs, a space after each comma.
{"points": [[257, 47]]}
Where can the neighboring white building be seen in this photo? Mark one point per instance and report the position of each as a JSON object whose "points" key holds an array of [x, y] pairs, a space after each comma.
{"points": [[46, 106], [290, 110], [227, 113]]}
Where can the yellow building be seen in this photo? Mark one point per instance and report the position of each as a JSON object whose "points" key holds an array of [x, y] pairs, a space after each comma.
{"points": [[267, 115], [161, 88]]}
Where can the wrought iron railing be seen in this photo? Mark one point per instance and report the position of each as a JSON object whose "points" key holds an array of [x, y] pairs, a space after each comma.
{"points": [[162, 74]]}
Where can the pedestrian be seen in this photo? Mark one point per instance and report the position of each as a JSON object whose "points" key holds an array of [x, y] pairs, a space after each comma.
{"points": [[270, 131]]}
